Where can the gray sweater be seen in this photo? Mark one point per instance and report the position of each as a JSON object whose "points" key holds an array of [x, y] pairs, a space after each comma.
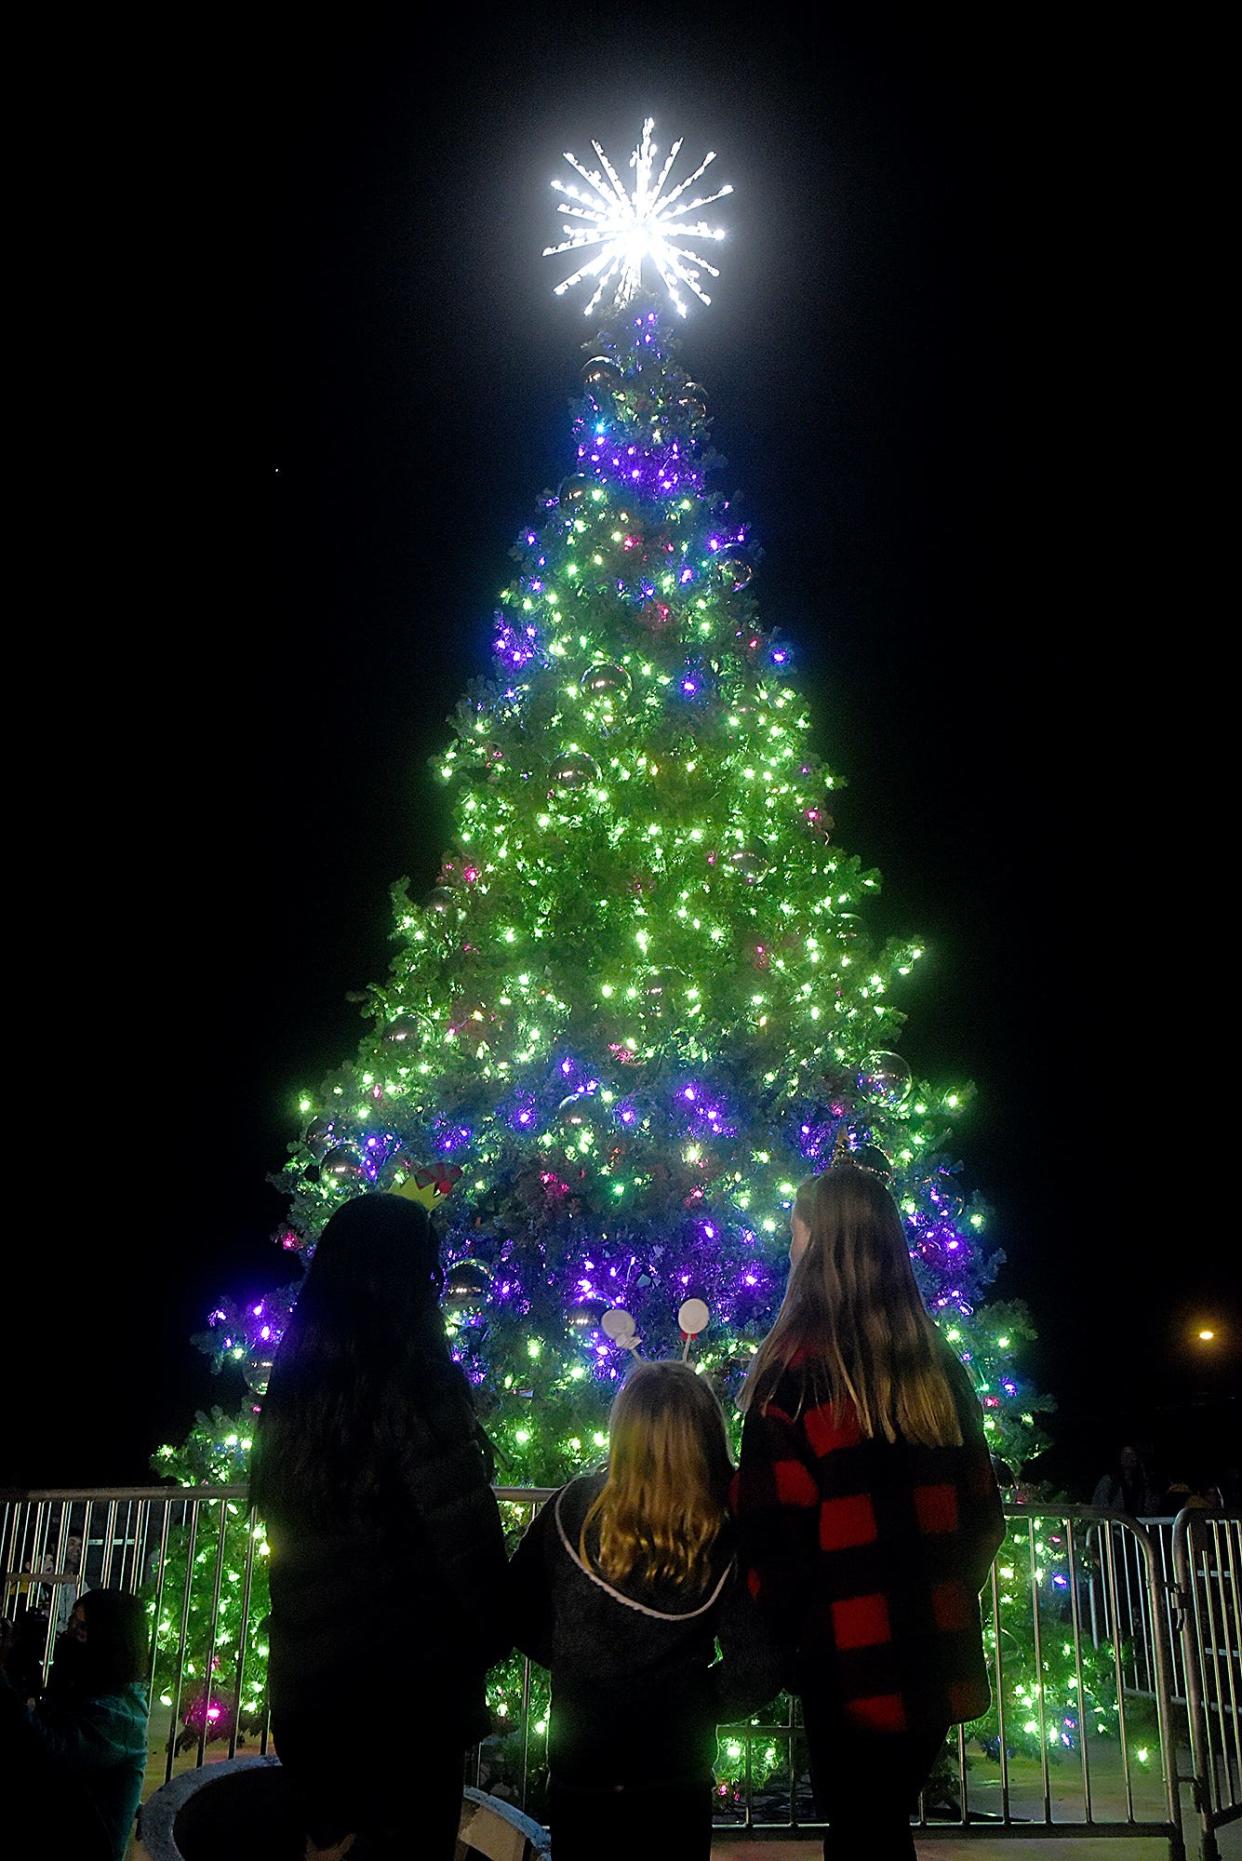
{"points": [[637, 1690]]}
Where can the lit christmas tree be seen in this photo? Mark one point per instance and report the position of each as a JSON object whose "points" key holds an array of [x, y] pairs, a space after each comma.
{"points": [[640, 1002]]}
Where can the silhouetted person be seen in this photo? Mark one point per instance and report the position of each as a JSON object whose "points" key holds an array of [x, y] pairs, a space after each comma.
{"points": [[387, 1554], [78, 1757], [622, 1587]]}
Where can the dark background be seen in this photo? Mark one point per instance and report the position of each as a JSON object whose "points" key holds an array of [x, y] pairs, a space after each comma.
{"points": [[295, 376]]}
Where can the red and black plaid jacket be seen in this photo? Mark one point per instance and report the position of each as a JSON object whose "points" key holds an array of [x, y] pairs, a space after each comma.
{"points": [[868, 1557]]}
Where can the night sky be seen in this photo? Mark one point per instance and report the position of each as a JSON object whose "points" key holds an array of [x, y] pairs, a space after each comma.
{"points": [[299, 376]]}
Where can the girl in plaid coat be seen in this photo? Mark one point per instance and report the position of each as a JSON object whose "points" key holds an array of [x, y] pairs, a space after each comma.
{"points": [[867, 1514]]}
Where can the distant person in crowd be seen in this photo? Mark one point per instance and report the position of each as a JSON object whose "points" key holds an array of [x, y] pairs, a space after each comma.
{"points": [[66, 1590], [25, 1646], [621, 1587], [1004, 1475], [59, 1590], [1127, 1487], [387, 1555], [868, 1514], [1181, 1496], [78, 1757]]}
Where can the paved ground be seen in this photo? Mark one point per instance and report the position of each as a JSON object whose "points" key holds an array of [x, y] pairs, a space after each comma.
{"points": [[984, 1788], [980, 1849]]}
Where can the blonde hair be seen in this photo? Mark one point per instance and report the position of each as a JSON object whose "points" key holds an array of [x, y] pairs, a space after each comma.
{"points": [[853, 1317], [665, 1498]]}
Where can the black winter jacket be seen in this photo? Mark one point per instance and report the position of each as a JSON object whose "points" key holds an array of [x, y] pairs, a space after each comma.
{"points": [[406, 1597], [636, 1692]]}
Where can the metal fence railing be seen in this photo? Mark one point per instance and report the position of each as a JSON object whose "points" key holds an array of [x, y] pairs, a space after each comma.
{"points": [[1207, 1562], [1115, 1651]]}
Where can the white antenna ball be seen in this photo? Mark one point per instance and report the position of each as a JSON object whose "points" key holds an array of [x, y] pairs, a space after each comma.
{"points": [[692, 1318], [618, 1324]]}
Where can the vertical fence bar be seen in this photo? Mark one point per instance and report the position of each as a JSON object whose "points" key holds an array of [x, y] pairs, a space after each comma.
{"points": [[32, 1561], [1168, 1584], [9, 1540], [1076, 1619], [142, 1530], [1233, 1640], [109, 1534], [212, 1626], [243, 1633], [88, 1520], [175, 1709], [1183, 1560], [1219, 1765], [1002, 1752], [1111, 1581], [125, 1559], [1164, 1710], [525, 1724], [1125, 1545], [1039, 1670], [55, 1609], [159, 1603]]}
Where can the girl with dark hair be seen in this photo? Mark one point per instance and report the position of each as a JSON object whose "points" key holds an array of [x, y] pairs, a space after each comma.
{"points": [[622, 1586], [868, 1514], [79, 1757], [387, 1555], [1127, 1487]]}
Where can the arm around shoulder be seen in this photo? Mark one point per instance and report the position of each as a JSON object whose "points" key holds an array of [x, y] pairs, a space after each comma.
{"points": [[529, 1589], [750, 1670]]}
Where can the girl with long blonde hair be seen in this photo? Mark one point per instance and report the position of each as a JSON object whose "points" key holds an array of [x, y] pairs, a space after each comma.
{"points": [[622, 1587], [867, 1512]]}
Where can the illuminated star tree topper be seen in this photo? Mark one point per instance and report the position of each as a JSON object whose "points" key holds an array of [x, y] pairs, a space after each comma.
{"points": [[630, 225]]}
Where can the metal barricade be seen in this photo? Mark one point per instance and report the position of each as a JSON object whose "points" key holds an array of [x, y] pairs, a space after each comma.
{"points": [[1207, 1561], [1096, 1629], [174, 1546], [1082, 1724], [1082, 1737], [1134, 1610], [198, 1557]]}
